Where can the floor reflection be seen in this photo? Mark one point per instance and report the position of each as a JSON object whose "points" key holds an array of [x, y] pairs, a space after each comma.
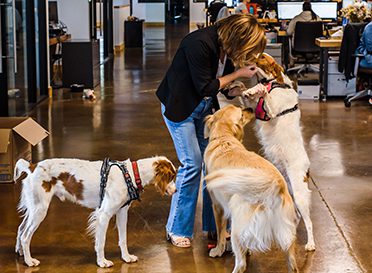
{"points": [[325, 157]]}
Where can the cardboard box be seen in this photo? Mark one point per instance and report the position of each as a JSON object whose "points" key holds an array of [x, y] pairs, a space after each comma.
{"points": [[16, 137]]}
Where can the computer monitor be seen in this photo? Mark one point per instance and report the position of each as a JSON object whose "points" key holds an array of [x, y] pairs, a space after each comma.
{"points": [[288, 10], [325, 10], [53, 12]]}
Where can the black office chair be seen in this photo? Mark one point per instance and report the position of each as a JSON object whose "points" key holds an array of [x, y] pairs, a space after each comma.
{"points": [[361, 73], [55, 57], [304, 45], [214, 9]]}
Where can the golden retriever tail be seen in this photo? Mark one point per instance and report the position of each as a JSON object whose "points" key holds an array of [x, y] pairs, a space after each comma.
{"points": [[252, 184], [262, 203]]}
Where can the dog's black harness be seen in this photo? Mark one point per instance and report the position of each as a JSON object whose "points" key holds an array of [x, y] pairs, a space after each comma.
{"points": [[134, 193]]}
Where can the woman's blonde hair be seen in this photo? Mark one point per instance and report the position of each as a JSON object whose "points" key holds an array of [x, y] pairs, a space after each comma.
{"points": [[242, 38]]}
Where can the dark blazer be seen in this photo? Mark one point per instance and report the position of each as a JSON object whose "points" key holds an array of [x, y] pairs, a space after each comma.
{"points": [[349, 44], [192, 74]]}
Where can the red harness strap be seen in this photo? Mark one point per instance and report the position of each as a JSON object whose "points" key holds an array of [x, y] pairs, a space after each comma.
{"points": [[260, 109], [137, 177]]}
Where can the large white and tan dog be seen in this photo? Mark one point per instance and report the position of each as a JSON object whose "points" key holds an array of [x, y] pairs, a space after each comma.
{"points": [[79, 181], [281, 136], [248, 189]]}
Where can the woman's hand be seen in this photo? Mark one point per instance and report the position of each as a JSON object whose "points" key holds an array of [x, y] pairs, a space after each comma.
{"points": [[247, 71], [244, 72]]}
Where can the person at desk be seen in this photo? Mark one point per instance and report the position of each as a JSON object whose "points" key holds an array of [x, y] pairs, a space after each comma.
{"points": [[365, 47], [242, 7], [306, 15]]}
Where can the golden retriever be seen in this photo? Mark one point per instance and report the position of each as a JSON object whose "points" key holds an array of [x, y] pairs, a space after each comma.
{"points": [[248, 189]]}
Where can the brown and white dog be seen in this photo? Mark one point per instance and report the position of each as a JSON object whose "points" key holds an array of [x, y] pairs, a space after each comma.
{"points": [[248, 189], [280, 134], [79, 181]]}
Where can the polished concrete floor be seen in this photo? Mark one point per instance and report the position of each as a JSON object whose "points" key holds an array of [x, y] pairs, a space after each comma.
{"points": [[125, 121]]}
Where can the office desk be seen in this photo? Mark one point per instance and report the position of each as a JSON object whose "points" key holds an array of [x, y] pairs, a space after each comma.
{"points": [[81, 63], [283, 38], [325, 45], [267, 20], [59, 39], [53, 42]]}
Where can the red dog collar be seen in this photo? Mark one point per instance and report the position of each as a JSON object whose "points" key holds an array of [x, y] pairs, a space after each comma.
{"points": [[137, 177]]}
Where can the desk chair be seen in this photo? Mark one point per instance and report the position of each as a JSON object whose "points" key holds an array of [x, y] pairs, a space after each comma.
{"points": [[304, 45], [360, 71], [213, 10], [55, 57]]}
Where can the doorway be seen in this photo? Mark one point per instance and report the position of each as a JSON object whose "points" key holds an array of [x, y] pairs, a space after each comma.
{"points": [[101, 26], [177, 12]]}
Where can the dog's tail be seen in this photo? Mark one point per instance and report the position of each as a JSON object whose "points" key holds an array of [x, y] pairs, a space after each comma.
{"points": [[251, 183], [21, 170], [92, 223], [262, 202]]}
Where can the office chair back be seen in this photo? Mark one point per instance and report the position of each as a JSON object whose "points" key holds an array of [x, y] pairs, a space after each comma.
{"points": [[213, 10], [305, 35]]}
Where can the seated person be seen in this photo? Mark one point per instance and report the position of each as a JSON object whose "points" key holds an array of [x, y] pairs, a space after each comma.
{"points": [[365, 47], [242, 7], [214, 9], [306, 15]]}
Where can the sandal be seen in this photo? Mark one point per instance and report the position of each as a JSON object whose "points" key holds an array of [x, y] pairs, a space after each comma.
{"points": [[179, 241]]}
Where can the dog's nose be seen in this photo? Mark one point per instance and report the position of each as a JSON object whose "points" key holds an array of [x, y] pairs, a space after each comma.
{"points": [[171, 189]]}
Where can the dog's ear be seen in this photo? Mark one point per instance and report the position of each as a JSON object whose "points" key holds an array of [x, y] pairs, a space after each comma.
{"points": [[207, 126], [247, 115], [238, 131], [164, 174], [261, 73], [278, 70]]}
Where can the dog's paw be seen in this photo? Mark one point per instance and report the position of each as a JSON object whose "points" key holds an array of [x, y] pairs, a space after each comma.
{"points": [[19, 251], [216, 252], [104, 263], [32, 262], [130, 258], [310, 246]]}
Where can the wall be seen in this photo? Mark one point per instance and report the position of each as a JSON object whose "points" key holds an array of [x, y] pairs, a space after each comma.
{"points": [[197, 13], [75, 14], [150, 12], [121, 2], [120, 15]]}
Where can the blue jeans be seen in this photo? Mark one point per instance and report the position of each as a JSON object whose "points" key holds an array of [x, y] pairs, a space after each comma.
{"points": [[189, 142], [365, 64]]}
